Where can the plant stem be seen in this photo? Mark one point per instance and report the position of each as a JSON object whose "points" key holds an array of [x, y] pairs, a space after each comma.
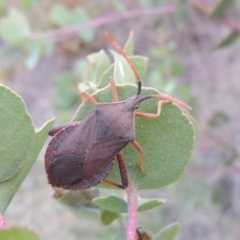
{"points": [[3, 222], [132, 211], [65, 32]]}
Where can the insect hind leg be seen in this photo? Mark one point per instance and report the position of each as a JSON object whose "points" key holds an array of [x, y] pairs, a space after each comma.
{"points": [[57, 129], [151, 115], [171, 99], [123, 174], [140, 160]]}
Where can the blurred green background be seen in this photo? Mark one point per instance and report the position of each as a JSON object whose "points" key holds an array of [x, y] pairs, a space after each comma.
{"points": [[193, 52]]}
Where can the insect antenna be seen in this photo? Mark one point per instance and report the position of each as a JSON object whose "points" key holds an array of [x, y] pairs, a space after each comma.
{"points": [[114, 42]]}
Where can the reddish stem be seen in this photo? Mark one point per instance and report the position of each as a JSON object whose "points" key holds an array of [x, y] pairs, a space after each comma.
{"points": [[3, 222], [69, 31], [132, 211]]}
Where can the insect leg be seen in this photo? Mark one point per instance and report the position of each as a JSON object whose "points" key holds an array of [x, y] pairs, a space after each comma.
{"points": [[123, 173], [171, 99], [89, 97], [55, 130], [151, 115], [114, 89], [140, 161], [122, 169]]}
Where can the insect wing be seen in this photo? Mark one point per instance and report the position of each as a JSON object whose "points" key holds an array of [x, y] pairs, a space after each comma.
{"points": [[66, 170], [65, 156]]}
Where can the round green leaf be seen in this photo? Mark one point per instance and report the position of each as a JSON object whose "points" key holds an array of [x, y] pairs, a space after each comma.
{"points": [[147, 204], [60, 15], [111, 203], [108, 217], [80, 202], [9, 187], [104, 79], [15, 27], [167, 141], [80, 16], [17, 233], [98, 63], [17, 133], [169, 232]]}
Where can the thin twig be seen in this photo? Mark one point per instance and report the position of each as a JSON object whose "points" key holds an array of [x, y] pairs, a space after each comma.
{"points": [[132, 211], [65, 32], [206, 10], [235, 26]]}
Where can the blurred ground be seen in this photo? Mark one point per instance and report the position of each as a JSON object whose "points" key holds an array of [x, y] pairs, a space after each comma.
{"points": [[206, 199]]}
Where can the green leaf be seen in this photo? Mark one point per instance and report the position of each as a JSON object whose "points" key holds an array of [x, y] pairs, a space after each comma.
{"points": [[119, 6], [177, 69], [36, 49], [34, 55], [104, 79], [181, 12], [17, 133], [80, 16], [14, 233], [14, 27], [98, 63], [221, 7], [147, 204], [66, 93], [231, 38], [87, 34], [160, 53], [112, 203], [123, 73], [2, 8], [218, 119], [80, 203], [108, 217], [80, 67], [60, 15], [169, 232], [129, 45], [9, 187], [167, 141], [27, 3], [140, 63]]}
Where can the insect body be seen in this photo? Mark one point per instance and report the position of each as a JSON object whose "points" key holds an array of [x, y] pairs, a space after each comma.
{"points": [[81, 154]]}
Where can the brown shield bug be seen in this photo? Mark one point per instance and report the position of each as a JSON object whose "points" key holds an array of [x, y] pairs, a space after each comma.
{"points": [[81, 154]]}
